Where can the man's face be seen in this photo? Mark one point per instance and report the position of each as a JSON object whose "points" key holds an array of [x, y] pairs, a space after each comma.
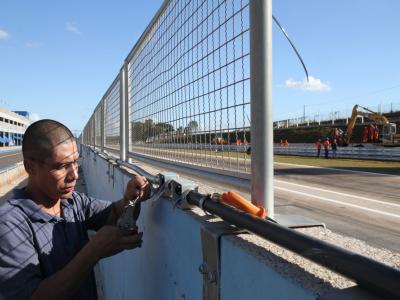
{"points": [[56, 177]]}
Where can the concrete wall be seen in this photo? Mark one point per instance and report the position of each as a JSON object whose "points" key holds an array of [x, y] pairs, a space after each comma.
{"points": [[166, 266]]}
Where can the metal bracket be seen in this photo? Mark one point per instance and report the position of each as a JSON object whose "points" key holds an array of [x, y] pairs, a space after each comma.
{"points": [[177, 189], [110, 171], [211, 266]]}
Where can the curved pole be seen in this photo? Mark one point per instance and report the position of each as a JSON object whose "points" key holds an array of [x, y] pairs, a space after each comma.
{"points": [[294, 48]]}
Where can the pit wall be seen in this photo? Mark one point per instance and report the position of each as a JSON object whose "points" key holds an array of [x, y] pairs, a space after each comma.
{"points": [[10, 174], [167, 264]]}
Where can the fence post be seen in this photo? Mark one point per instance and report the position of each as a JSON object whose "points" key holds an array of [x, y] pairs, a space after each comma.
{"points": [[262, 159], [122, 127], [127, 108], [102, 134]]}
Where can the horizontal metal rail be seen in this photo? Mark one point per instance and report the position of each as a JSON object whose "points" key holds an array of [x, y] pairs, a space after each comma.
{"points": [[370, 274], [10, 167], [153, 179]]}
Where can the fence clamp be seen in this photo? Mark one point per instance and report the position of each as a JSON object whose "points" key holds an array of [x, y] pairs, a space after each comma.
{"points": [[211, 266], [110, 171], [177, 188]]}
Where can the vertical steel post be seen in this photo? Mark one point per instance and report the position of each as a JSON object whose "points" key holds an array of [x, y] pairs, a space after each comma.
{"points": [[122, 123], [127, 109], [93, 131], [102, 134], [262, 159]]}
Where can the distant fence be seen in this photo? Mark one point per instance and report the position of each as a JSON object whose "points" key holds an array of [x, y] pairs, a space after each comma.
{"points": [[368, 152]]}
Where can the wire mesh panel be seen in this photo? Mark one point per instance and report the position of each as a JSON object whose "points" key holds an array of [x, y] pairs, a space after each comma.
{"points": [[97, 126], [189, 85], [112, 117]]}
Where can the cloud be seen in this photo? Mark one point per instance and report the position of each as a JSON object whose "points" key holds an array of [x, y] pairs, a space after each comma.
{"points": [[4, 34], [34, 117], [313, 85], [32, 45], [73, 27]]}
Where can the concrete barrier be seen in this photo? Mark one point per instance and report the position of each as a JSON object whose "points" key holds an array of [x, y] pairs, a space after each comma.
{"points": [[10, 174], [167, 265]]}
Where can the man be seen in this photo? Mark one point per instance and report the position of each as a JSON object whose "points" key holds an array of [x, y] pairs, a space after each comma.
{"points": [[326, 143], [45, 252], [318, 146]]}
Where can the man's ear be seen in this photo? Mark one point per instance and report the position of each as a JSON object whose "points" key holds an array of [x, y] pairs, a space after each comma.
{"points": [[29, 166]]}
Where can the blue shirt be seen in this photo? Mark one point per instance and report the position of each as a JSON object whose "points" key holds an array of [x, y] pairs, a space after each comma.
{"points": [[35, 245]]}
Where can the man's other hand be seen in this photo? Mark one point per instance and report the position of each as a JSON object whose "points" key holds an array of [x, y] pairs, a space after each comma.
{"points": [[109, 240]]}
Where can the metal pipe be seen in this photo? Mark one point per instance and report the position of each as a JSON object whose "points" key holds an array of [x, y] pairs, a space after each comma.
{"points": [[153, 179], [368, 273], [262, 160]]}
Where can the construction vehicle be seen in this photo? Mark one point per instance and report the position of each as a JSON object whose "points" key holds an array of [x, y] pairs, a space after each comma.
{"points": [[389, 135]]}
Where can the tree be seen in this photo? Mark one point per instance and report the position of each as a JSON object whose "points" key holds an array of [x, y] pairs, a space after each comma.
{"points": [[191, 127], [163, 128]]}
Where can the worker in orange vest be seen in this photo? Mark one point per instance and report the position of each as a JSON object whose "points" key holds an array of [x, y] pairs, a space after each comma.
{"points": [[285, 143], [371, 132], [318, 146], [365, 134], [376, 134], [326, 143]]}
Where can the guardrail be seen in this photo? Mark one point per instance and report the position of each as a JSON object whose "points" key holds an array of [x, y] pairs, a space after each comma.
{"points": [[10, 173], [369, 274]]}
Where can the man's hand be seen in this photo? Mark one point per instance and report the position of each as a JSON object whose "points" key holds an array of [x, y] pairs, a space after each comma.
{"points": [[138, 186], [109, 240]]}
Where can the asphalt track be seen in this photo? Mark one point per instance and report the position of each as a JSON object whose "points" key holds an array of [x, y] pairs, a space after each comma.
{"points": [[363, 205], [9, 158]]}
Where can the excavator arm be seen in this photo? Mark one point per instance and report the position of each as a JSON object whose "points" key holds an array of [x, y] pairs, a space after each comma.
{"points": [[360, 111], [350, 126]]}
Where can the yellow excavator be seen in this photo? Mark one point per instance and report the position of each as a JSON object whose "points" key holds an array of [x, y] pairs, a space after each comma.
{"points": [[390, 137]]}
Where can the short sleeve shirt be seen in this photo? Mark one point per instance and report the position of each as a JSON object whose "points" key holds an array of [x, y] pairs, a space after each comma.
{"points": [[34, 244]]}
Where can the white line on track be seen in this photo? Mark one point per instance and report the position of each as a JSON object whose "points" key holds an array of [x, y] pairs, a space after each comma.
{"points": [[9, 155], [338, 169], [338, 193], [340, 202]]}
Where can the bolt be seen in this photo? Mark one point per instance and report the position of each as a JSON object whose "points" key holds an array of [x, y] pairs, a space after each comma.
{"points": [[211, 277], [203, 268]]}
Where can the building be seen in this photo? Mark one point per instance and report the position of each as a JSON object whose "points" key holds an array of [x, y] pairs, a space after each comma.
{"points": [[12, 128]]}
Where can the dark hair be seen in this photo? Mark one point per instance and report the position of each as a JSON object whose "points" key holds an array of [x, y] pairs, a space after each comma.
{"points": [[42, 136]]}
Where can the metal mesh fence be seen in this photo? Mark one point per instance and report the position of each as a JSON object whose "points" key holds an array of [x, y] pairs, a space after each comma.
{"points": [[112, 117], [97, 127], [189, 85], [92, 130]]}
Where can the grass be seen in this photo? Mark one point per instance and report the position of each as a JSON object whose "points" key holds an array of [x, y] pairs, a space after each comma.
{"points": [[384, 167]]}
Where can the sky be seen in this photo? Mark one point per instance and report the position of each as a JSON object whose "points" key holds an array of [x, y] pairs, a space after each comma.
{"points": [[57, 58]]}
